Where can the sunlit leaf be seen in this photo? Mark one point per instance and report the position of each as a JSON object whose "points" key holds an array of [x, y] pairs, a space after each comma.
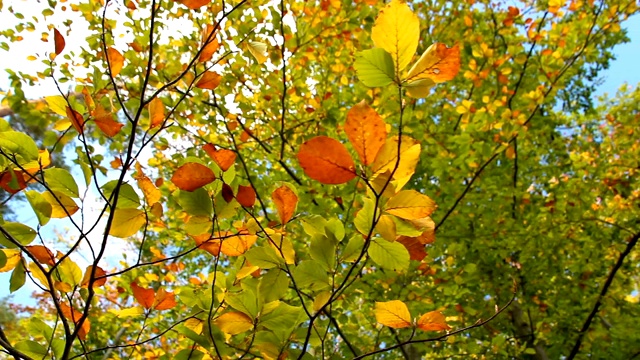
{"points": [[209, 80], [20, 233], [209, 43], [410, 204], [387, 158], [192, 176], [237, 244], [326, 160], [374, 67], [286, 201], [223, 157], [389, 255], [151, 193], [40, 206], [75, 315], [76, 119], [164, 300], [18, 277], [433, 321], [414, 247], [397, 31], [106, 121], [57, 104], [67, 275], [246, 196], [62, 206], [99, 272], [366, 131], [42, 254], [116, 61], [127, 222], [58, 41], [386, 227], [194, 4], [143, 296], [394, 314], [258, 50], [234, 322], [156, 112]]}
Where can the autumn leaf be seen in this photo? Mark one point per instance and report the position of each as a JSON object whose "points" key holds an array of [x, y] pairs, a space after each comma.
{"points": [[436, 65], [192, 176], [42, 254], [234, 322], [127, 222], [209, 43], [116, 61], [62, 206], [194, 4], [144, 297], [12, 258], [433, 321], [258, 50], [237, 244], [209, 80], [12, 181], [246, 196], [106, 122], [76, 119], [74, 315], [397, 31], [223, 157], [58, 41], [388, 156], [286, 201], [87, 277], [410, 204], [366, 131], [151, 193], [394, 314], [156, 113], [326, 160], [164, 300], [414, 247]]}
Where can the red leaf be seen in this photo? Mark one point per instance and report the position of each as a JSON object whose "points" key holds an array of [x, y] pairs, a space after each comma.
{"points": [[76, 119], [246, 196], [12, 181], [58, 41], [326, 160], [42, 254], [144, 297], [192, 176], [227, 193]]}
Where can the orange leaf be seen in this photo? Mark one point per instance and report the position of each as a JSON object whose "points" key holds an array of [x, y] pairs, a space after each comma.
{"points": [[116, 61], [236, 245], [150, 191], [164, 300], [410, 205], [209, 43], [156, 113], [286, 201], [42, 254], [210, 80], [438, 63], [246, 196], [144, 297], [223, 157], [433, 321], [74, 315], [106, 122], [194, 4], [58, 41], [393, 314], [414, 246], [76, 119], [326, 160], [12, 181], [366, 131], [206, 243], [192, 176], [87, 277]]}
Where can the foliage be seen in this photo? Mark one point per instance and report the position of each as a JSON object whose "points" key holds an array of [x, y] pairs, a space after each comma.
{"points": [[271, 177]]}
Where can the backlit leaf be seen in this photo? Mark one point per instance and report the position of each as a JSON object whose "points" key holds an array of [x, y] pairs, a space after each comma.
{"points": [[389, 255], [326, 160], [19, 232], [116, 61], [67, 275], [206, 243], [394, 314], [42, 254], [223, 157], [194, 4], [209, 43], [87, 277], [410, 204], [192, 176], [433, 321], [246, 196], [237, 244], [209, 80], [258, 50], [285, 200], [438, 64], [156, 113], [127, 222], [414, 247], [75, 315], [164, 300], [374, 67], [397, 31], [18, 277], [57, 104], [386, 227], [62, 206], [60, 180], [387, 158], [12, 258], [234, 322], [106, 121], [40, 206], [58, 41], [151, 193], [143, 296], [366, 131]]}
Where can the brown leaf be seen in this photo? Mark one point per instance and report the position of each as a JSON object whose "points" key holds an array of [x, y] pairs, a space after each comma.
{"points": [[414, 246], [116, 61], [210, 80], [223, 157], [246, 196], [76, 119], [192, 176], [58, 41], [326, 160], [144, 297], [286, 201], [42, 254], [366, 131], [227, 193]]}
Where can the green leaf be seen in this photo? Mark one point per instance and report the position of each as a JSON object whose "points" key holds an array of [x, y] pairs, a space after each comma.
{"points": [[264, 257], [127, 197], [196, 203], [282, 320], [19, 144], [3, 259], [68, 272], [389, 255], [244, 301], [20, 232], [31, 349], [37, 327], [364, 217], [353, 248], [374, 67], [57, 104], [40, 206], [189, 354], [309, 274], [18, 277], [323, 250], [335, 227], [273, 285], [60, 180]]}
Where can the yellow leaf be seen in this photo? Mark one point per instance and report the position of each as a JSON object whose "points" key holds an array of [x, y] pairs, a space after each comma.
{"points": [[151, 192], [393, 314], [258, 50], [234, 322], [36, 273], [410, 205], [433, 321], [320, 300], [419, 88], [388, 156], [62, 205], [126, 313], [386, 227], [116, 61], [397, 31], [156, 112], [13, 258], [127, 222], [195, 325]]}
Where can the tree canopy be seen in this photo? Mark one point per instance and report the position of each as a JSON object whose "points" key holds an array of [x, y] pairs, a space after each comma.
{"points": [[320, 179]]}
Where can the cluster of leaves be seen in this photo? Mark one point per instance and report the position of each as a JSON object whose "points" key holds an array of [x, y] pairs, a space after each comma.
{"points": [[207, 133]]}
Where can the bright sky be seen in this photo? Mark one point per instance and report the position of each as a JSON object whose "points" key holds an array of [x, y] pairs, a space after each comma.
{"points": [[622, 70]]}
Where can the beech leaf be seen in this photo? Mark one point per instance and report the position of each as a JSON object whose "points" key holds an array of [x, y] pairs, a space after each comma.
{"points": [[58, 41], [397, 31], [366, 131], [192, 176], [285, 200], [433, 321], [326, 160], [394, 314]]}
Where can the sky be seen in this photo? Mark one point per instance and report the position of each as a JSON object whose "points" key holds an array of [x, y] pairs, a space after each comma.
{"points": [[624, 69]]}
